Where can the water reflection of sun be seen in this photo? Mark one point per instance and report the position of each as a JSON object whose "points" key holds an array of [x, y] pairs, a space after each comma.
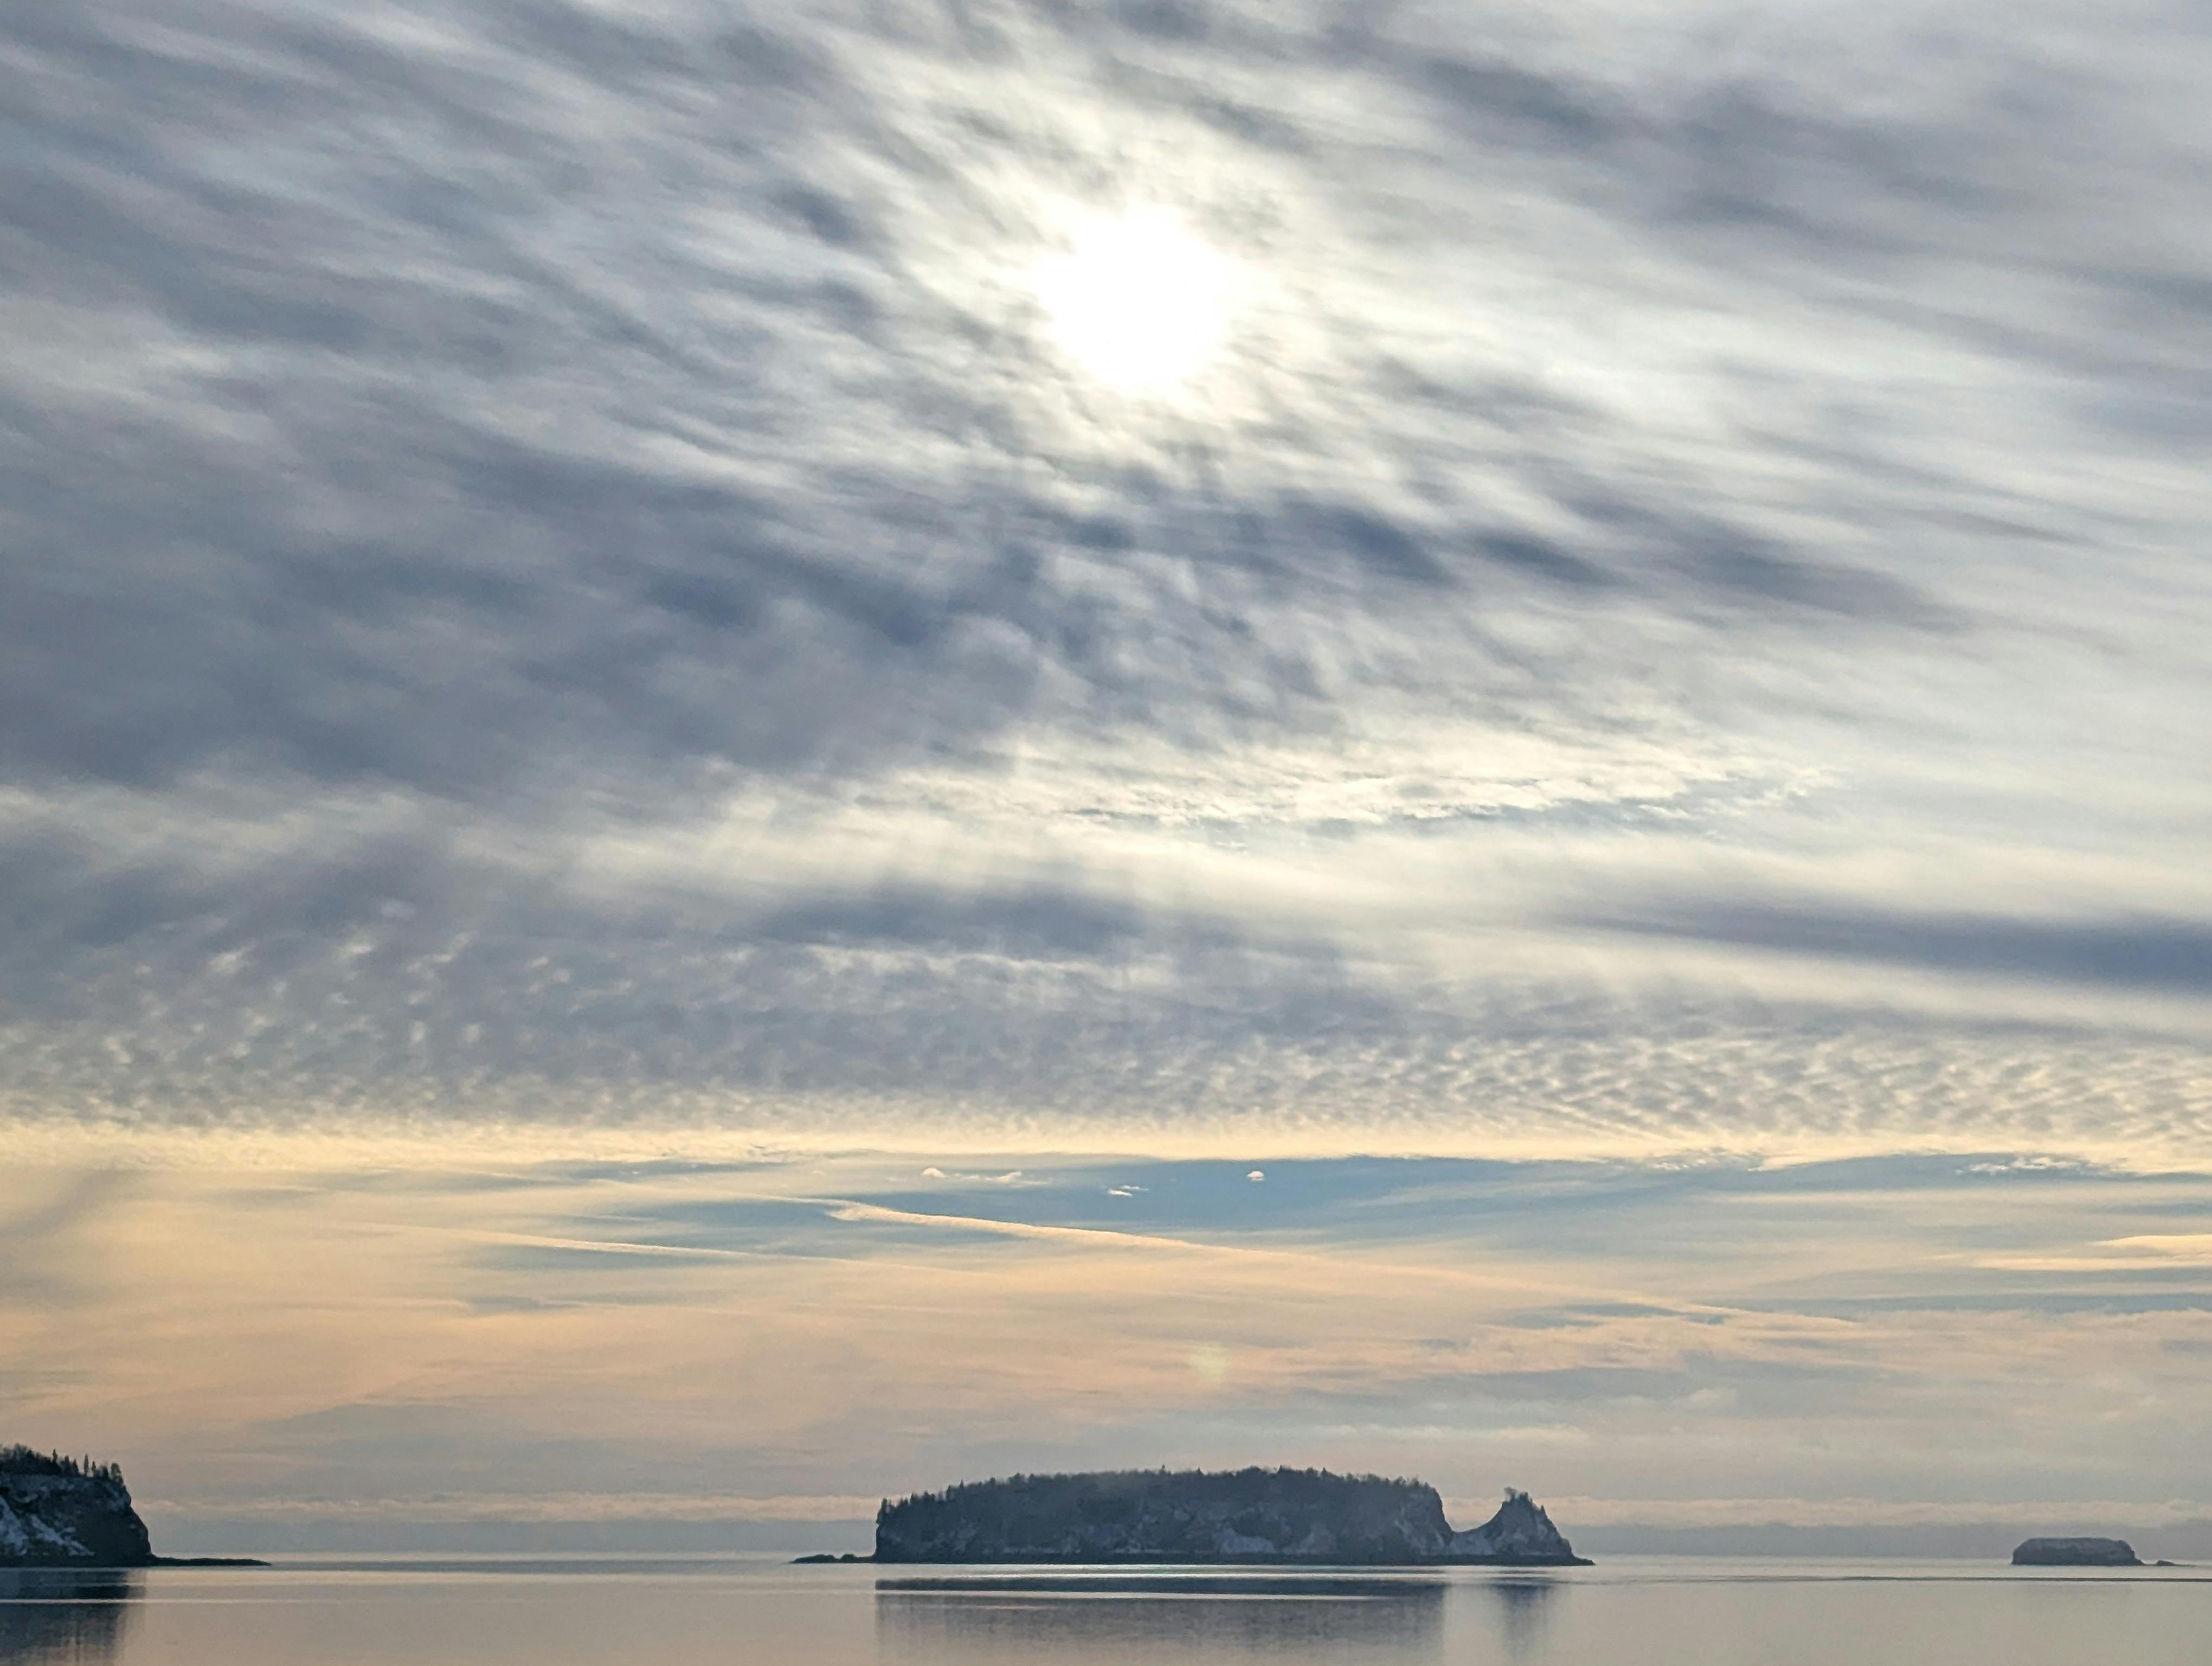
{"points": [[1136, 300]]}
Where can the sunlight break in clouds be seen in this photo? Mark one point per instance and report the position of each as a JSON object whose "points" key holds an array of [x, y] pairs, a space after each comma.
{"points": [[1136, 299]]}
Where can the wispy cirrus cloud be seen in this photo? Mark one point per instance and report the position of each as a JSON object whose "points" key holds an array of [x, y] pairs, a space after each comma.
{"points": [[1893, 1344]]}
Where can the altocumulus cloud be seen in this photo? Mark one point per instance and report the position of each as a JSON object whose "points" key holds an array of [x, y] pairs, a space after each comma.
{"points": [[555, 569]]}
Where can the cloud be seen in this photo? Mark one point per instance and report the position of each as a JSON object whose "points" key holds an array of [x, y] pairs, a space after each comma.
{"points": [[561, 580], [2139, 953], [306, 1344], [629, 804], [537, 1507], [2023, 1516]]}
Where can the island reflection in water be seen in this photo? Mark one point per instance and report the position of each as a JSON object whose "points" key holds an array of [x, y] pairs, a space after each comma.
{"points": [[1100, 1616], [1521, 1612], [57, 1616]]}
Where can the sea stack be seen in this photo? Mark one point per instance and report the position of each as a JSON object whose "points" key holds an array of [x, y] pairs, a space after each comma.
{"points": [[1521, 1535], [1267, 1516], [2075, 1553]]}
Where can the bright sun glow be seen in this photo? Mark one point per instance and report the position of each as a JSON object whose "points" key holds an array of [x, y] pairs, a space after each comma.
{"points": [[1136, 300]]}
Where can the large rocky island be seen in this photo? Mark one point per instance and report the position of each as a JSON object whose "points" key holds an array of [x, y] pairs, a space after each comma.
{"points": [[58, 1511], [2075, 1553], [1300, 1516]]}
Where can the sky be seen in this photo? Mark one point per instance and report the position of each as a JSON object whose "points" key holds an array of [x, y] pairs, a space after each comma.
{"points": [[753, 755]]}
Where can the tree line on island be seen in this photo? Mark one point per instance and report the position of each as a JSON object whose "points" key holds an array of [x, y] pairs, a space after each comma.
{"points": [[28, 1461], [1252, 1515]]}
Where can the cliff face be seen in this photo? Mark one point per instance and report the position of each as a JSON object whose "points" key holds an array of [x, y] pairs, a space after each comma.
{"points": [[1520, 1533], [56, 1512], [1249, 1515]]}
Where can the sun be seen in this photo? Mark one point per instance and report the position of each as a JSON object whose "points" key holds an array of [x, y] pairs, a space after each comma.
{"points": [[1136, 300]]}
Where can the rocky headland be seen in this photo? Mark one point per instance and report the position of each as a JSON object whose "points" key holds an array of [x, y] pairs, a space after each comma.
{"points": [[2075, 1553], [1294, 1516], [58, 1511]]}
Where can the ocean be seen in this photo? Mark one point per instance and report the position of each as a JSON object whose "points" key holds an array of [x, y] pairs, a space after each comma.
{"points": [[752, 1611]]}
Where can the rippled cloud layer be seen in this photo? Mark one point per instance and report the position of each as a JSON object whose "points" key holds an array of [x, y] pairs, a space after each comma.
{"points": [[1632, 580]]}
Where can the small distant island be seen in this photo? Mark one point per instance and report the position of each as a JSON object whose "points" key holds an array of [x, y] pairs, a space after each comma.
{"points": [[2075, 1553], [1246, 1516], [57, 1512]]}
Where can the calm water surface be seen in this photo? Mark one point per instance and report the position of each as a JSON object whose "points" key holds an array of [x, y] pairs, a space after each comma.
{"points": [[598, 1612]]}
